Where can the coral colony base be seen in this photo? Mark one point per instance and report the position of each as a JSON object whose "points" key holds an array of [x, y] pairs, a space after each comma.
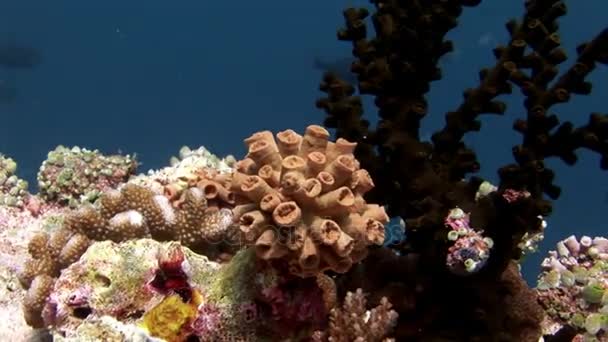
{"points": [[293, 242]]}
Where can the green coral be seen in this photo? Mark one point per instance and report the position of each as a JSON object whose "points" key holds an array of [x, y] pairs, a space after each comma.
{"points": [[13, 190], [232, 285], [572, 289], [593, 293], [76, 175]]}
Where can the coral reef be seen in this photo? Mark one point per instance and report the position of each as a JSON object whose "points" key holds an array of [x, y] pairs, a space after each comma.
{"points": [[74, 175], [304, 201], [573, 287], [424, 182], [211, 249]]}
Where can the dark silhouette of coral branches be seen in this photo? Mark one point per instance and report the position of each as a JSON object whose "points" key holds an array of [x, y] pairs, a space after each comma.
{"points": [[421, 182]]}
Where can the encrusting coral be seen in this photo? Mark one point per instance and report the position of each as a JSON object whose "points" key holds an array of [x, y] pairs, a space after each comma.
{"points": [[304, 201]]}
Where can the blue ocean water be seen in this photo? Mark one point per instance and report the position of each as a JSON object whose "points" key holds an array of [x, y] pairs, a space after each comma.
{"points": [[149, 77]]}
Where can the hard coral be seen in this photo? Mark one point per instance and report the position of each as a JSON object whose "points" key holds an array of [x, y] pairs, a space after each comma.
{"points": [[198, 168], [304, 201], [49, 254], [573, 287], [13, 190], [121, 280], [133, 212], [421, 181], [72, 176], [353, 322]]}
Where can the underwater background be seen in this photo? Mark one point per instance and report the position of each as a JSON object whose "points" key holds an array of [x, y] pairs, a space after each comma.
{"points": [[149, 77]]}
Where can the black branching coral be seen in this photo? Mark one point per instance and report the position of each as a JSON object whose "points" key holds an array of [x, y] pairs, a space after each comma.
{"points": [[422, 182]]}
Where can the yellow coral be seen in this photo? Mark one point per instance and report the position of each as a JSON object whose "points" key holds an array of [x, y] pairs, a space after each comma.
{"points": [[170, 318]]}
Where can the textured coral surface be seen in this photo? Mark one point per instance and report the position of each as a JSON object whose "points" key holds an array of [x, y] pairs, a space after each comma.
{"points": [[304, 201]]}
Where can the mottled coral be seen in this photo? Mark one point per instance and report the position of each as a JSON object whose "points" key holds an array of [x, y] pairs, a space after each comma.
{"points": [[13, 190], [74, 175], [115, 279], [573, 287], [354, 322], [304, 201], [470, 250], [106, 329], [141, 283], [133, 212]]}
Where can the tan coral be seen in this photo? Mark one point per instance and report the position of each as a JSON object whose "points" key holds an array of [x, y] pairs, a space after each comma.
{"points": [[307, 197], [330, 292], [353, 322], [35, 299]]}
